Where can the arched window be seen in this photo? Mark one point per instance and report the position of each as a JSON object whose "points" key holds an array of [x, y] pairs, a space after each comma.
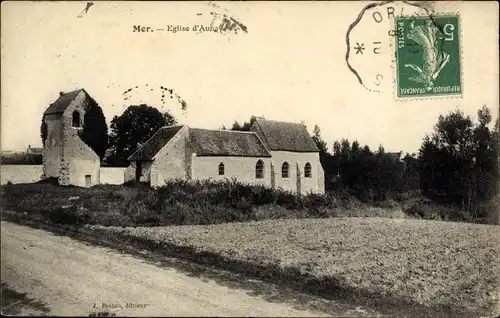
{"points": [[284, 170], [76, 119], [259, 170], [221, 169], [307, 170]]}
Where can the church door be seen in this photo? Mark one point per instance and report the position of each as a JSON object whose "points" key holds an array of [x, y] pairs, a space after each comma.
{"points": [[88, 180], [138, 171]]}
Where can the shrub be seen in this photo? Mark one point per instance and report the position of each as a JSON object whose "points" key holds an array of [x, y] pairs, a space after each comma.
{"points": [[50, 180], [387, 204], [181, 202], [69, 215], [433, 211]]}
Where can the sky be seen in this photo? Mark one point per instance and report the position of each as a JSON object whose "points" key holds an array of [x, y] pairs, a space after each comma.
{"points": [[289, 65]]}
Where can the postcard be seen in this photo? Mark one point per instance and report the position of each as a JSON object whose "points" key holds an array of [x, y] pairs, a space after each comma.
{"points": [[260, 158]]}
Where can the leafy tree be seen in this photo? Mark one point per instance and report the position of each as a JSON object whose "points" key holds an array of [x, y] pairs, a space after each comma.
{"points": [[95, 129], [355, 148], [246, 125], [345, 148], [370, 176], [336, 148], [366, 150], [380, 150], [460, 160], [133, 128], [320, 143]]}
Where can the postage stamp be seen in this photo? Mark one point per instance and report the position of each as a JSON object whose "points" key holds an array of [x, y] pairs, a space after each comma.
{"points": [[428, 61], [409, 49]]}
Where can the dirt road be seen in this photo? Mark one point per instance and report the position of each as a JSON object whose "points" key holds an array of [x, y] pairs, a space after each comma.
{"points": [[58, 275]]}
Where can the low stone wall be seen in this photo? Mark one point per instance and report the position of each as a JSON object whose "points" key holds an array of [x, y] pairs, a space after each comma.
{"points": [[33, 173], [112, 175]]}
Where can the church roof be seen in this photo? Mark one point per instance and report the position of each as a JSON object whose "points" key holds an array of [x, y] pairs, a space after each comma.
{"points": [[284, 136], [155, 143], [226, 143], [60, 105], [205, 142]]}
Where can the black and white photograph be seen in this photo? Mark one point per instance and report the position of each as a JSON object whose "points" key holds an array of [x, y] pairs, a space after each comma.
{"points": [[250, 158]]}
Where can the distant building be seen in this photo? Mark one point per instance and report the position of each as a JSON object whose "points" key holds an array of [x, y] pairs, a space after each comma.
{"points": [[34, 150], [65, 155], [274, 154]]}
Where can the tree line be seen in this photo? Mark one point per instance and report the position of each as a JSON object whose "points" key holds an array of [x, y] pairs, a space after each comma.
{"points": [[457, 163]]}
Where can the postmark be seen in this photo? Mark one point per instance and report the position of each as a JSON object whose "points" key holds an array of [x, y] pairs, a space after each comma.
{"points": [[376, 46], [428, 56]]}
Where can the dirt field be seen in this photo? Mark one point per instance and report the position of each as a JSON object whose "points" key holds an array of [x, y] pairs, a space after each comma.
{"points": [[429, 263]]}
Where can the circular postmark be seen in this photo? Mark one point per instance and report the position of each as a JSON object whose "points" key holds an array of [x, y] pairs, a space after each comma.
{"points": [[406, 48]]}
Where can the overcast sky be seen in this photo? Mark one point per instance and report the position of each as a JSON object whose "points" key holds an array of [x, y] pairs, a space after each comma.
{"points": [[290, 66]]}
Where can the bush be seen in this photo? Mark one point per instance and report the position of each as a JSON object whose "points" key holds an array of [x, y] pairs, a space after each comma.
{"points": [[388, 204], [432, 211], [69, 215], [181, 202], [50, 180]]}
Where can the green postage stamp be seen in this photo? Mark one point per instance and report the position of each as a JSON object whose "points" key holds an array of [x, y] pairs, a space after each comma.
{"points": [[428, 61]]}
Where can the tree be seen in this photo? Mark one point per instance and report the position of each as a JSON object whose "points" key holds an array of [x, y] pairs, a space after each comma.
{"points": [[246, 125], [133, 128], [320, 143], [381, 150], [95, 129], [355, 147], [459, 160], [496, 142], [370, 176], [336, 148], [345, 149]]}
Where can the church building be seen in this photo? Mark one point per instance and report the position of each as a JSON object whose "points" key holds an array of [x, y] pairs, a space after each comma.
{"points": [[273, 153]]}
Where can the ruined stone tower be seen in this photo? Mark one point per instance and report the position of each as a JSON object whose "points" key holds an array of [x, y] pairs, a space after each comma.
{"points": [[65, 156]]}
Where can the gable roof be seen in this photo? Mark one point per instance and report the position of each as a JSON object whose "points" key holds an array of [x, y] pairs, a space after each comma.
{"points": [[155, 143], [226, 143], [284, 136], [60, 105], [205, 142]]}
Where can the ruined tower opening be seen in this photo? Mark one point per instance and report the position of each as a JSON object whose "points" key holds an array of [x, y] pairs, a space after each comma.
{"points": [[76, 119]]}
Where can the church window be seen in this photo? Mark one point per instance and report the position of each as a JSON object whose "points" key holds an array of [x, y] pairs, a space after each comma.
{"points": [[307, 170], [76, 119], [284, 170], [221, 169], [259, 170]]}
